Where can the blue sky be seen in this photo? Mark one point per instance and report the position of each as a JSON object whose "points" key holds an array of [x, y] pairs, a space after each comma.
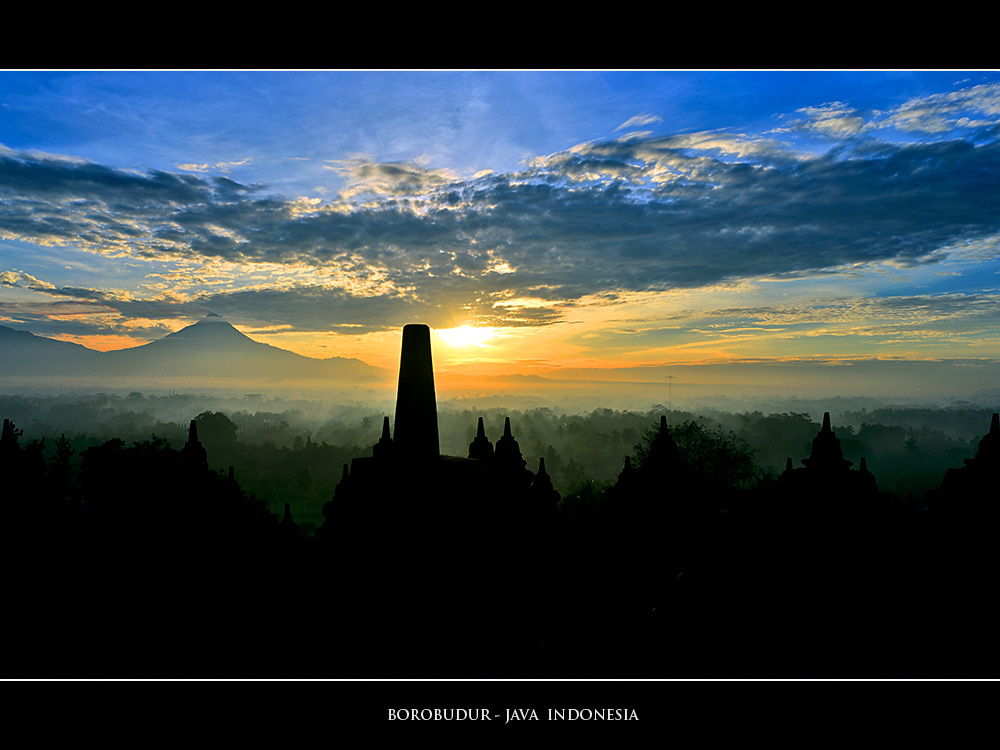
{"points": [[580, 219]]}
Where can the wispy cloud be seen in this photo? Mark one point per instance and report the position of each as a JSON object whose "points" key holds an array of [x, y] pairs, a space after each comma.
{"points": [[974, 107], [219, 166], [639, 121], [962, 111]]}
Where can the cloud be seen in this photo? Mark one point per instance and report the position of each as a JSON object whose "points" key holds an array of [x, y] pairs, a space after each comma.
{"points": [[22, 279], [222, 166], [366, 177], [974, 107], [639, 121], [315, 308], [835, 120], [919, 317], [970, 109], [92, 310], [633, 214], [941, 324]]}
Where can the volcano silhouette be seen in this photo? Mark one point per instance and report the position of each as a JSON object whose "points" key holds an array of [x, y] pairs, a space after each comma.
{"points": [[210, 349]]}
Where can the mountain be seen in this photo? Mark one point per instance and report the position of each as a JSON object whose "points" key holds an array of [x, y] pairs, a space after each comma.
{"points": [[27, 355], [208, 351]]}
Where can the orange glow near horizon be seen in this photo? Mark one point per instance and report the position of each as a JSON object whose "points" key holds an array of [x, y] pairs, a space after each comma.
{"points": [[100, 342]]}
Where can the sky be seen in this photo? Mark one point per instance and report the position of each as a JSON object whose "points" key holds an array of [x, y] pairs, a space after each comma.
{"points": [[837, 228]]}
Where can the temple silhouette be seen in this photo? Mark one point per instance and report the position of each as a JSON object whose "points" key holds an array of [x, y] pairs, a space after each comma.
{"points": [[432, 565], [406, 471], [970, 492], [826, 484], [453, 532]]}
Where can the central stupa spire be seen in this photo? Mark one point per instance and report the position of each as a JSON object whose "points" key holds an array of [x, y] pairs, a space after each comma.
{"points": [[416, 430]]}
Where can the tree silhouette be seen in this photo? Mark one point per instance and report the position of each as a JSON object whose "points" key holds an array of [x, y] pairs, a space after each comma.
{"points": [[720, 459], [216, 430]]}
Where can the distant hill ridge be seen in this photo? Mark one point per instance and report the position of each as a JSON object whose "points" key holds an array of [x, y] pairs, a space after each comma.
{"points": [[211, 348]]}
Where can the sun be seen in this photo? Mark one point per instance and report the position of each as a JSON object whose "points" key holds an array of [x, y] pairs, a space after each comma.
{"points": [[467, 336]]}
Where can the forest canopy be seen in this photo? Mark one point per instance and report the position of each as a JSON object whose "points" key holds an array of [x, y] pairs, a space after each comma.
{"points": [[294, 451]]}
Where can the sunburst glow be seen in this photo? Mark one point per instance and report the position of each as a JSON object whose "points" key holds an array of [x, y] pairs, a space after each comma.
{"points": [[467, 336]]}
